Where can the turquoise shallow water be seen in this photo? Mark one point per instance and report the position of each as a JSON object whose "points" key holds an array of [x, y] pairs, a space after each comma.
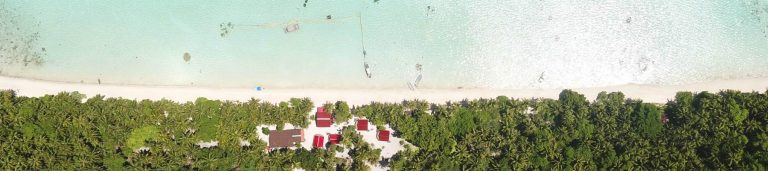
{"points": [[492, 44]]}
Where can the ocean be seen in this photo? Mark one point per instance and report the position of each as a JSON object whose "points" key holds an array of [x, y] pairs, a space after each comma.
{"points": [[446, 44]]}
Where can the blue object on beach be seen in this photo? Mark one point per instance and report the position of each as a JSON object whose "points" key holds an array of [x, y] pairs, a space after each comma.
{"points": [[258, 88]]}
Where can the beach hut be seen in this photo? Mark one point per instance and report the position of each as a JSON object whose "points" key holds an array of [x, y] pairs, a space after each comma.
{"points": [[383, 135], [318, 141], [334, 138], [322, 118], [285, 138], [362, 124]]}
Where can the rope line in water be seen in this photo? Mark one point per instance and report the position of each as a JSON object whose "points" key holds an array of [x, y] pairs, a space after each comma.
{"points": [[302, 21], [362, 34], [362, 44], [227, 27]]}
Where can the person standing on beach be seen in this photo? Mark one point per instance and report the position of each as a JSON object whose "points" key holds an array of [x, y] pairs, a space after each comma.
{"points": [[367, 69]]}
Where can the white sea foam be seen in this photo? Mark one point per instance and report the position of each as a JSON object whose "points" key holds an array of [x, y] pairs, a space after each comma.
{"points": [[587, 44]]}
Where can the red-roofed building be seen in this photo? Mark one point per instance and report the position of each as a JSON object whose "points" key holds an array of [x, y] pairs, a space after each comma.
{"points": [[320, 109], [334, 138], [318, 141], [383, 135], [362, 124], [285, 138], [322, 118]]}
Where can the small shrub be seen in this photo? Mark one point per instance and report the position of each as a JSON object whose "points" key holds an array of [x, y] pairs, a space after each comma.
{"points": [[265, 130]]}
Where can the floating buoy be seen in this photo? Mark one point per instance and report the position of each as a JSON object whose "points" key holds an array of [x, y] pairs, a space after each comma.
{"points": [[292, 28]]}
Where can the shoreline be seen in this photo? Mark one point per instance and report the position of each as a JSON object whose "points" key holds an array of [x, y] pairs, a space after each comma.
{"points": [[648, 93]]}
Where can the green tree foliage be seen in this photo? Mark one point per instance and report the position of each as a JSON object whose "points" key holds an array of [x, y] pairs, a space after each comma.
{"points": [[360, 151], [647, 119], [705, 131], [140, 136], [66, 132], [462, 123], [265, 130], [342, 113], [208, 121]]}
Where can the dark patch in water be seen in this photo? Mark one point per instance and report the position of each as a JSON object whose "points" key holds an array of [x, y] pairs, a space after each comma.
{"points": [[187, 57], [430, 10], [18, 46], [758, 11], [226, 28]]}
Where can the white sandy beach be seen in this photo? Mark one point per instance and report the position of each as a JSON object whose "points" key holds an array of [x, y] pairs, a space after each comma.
{"points": [[648, 93]]}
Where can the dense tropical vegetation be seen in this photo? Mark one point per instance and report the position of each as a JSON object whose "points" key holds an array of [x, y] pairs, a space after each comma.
{"points": [[68, 132], [725, 130], [719, 131]]}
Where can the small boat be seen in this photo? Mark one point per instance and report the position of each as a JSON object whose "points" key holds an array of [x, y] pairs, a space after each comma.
{"points": [[292, 28]]}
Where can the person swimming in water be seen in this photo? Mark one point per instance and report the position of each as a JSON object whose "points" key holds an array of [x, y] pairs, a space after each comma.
{"points": [[366, 66], [367, 70]]}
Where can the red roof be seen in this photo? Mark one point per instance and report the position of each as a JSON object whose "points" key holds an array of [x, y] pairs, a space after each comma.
{"points": [[334, 138], [318, 141], [383, 135], [320, 109], [362, 124], [322, 118], [285, 138]]}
